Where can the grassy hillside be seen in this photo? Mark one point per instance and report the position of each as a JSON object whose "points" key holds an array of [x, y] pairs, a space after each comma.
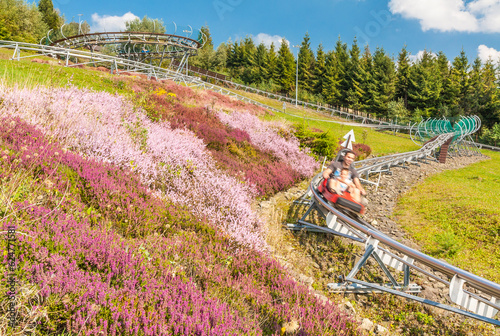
{"points": [[454, 215], [381, 143], [27, 73]]}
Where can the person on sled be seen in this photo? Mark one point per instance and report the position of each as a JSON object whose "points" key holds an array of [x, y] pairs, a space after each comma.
{"points": [[334, 170]]}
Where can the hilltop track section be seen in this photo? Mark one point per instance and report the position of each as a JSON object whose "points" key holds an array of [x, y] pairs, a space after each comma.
{"points": [[473, 296], [137, 46]]}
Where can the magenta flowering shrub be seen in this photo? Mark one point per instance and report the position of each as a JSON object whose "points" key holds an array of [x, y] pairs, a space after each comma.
{"points": [[174, 162], [265, 136], [233, 150], [111, 290], [101, 282], [188, 280], [266, 175]]}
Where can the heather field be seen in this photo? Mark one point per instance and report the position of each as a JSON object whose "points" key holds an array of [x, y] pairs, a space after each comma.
{"points": [[135, 213]]}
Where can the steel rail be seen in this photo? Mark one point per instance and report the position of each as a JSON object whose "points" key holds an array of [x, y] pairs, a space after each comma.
{"points": [[97, 57], [122, 37], [426, 301], [318, 108], [484, 285], [369, 165], [480, 146]]}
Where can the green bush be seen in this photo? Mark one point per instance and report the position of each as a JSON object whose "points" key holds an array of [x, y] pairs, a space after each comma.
{"points": [[491, 136], [321, 143]]}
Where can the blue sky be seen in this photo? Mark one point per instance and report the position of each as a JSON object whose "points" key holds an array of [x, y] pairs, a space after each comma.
{"points": [[435, 25]]}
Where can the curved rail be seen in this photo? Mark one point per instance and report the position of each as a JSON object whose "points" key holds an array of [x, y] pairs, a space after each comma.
{"points": [[397, 255], [486, 308], [475, 281], [124, 37]]}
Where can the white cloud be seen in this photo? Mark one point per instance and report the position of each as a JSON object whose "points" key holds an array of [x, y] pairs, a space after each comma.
{"points": [[268, 39], [485, 53], [418, 56], [443, 15], [109, 23], [451, 15], [489, 13]]}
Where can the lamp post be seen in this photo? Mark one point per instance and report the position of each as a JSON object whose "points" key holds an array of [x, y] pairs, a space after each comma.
{"points": [[79, 24], [297, 76]]}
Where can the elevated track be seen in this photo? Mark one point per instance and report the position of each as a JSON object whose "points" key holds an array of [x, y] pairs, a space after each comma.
{"points": [[472, 295]]}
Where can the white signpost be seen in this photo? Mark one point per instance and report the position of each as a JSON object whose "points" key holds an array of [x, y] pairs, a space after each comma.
{"points": [[349, 140]]}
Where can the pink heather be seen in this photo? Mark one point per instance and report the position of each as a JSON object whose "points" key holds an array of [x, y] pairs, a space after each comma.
{"points": [[175, 163], [95, 281], [265, 136]]}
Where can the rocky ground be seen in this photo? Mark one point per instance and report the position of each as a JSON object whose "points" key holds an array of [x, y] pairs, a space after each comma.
{"points": [[317, 259]]}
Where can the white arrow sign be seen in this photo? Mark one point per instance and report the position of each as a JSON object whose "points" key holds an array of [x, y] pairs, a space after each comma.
{"points": [[349, 140]]}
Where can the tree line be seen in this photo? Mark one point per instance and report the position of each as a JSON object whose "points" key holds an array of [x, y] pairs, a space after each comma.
{"points": [[27, 22], [403, 88]]}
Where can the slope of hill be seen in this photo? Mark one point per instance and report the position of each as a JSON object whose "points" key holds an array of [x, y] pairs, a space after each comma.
{"points": [[134, 214], [134, 203]]}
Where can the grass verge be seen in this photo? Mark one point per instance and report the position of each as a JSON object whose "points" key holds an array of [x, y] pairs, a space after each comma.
{"points": [[454, 215]]}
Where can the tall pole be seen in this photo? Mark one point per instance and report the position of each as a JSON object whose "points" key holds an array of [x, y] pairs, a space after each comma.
{"points": [[297, 76], [79, 24]]}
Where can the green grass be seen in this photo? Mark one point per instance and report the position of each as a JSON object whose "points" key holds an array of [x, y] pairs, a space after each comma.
{"points": [[27, 73], [381, 143], [455, 216]]}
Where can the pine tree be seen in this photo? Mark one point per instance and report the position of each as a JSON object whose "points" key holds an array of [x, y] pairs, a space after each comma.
{"points": [[489, 100], [319, 71], [261, 63], [460, 79], [476, 87], [271, 65], [331, 82], [306, 65], [367, 102], [49, 15], [423, 86], [285, 68], [383, 77], [249, 69], [234, 61], [354, 78], [248, 51], [442, 72], [342, 58], [220, 58], [402, 76]]}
